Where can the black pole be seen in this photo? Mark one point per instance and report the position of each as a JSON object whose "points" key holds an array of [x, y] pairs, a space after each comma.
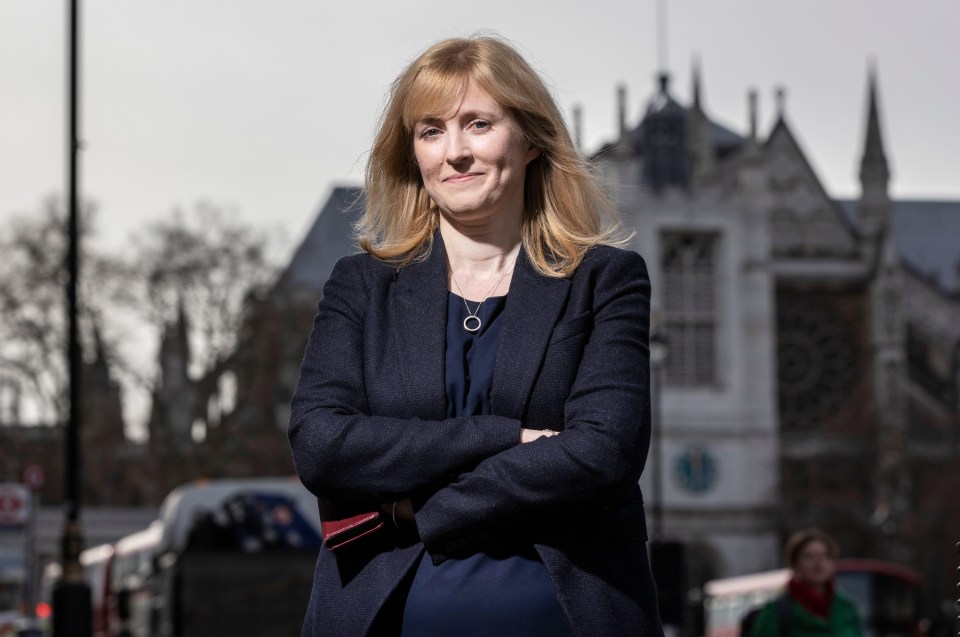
{"points": [[71, 486], [72, 612], [656, 435], [658, 355]]}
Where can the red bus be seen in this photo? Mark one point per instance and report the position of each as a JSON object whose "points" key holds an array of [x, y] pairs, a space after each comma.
{"points": [[225, 558], [886, 595]]}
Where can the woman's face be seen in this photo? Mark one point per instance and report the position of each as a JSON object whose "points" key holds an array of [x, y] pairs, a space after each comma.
{"points": [[814, 563], [473, 160]]}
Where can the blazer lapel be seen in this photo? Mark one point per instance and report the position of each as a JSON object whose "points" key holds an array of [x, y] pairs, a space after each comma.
{"points": [[418, 304], [534, 304]]}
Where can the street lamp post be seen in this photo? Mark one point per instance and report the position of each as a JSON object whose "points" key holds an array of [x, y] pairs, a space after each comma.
{"points": [[666, 557], [72, 612], [659, 349]]}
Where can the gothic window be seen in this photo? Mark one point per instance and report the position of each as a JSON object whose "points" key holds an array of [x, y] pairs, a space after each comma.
{"points": [[816, 361], [929, 365], [689, 262]]}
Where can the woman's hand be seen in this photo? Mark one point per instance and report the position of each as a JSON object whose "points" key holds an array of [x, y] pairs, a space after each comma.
{"points": [[529, 435]]}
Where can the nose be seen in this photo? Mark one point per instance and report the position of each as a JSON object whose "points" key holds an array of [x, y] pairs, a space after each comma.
{"points": [[458, 148]]}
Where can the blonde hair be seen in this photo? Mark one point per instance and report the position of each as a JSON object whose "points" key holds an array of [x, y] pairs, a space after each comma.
{"points": [[565, 209]]}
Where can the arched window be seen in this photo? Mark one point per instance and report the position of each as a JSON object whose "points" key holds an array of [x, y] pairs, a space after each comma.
{"points": [[689, 264]]}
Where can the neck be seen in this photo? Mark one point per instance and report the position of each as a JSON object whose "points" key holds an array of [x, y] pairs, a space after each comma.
{"points": [[480, 252], [481, 259], [816, 598]]}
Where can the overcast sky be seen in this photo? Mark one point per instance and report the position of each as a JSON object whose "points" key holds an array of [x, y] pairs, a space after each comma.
{"points": [[263, 106]]}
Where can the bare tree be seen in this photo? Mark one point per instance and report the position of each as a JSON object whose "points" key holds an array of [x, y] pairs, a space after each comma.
{"points": [[185, 284], [197, 272], [32, 308]]}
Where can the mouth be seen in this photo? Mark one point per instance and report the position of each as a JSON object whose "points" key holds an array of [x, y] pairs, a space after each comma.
{"points": [[460, 178]]}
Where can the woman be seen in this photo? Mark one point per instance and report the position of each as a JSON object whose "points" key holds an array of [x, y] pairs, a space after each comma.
{"points": [[811, 605], [480, 372]]}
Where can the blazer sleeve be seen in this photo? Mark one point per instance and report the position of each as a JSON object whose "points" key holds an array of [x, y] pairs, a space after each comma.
{"points": [[600, 452], [339, 449]]}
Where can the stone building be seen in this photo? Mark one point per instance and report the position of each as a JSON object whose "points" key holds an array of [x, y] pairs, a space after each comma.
{"points": [[696, 194], [813, 347], [812, 370], [110, 463], [262, 373]]}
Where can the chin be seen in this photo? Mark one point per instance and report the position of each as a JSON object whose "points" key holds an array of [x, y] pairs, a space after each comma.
{"points": [[465, 211]]}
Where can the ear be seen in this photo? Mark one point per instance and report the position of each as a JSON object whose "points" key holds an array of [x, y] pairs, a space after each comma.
{"points": [[533, 152]]}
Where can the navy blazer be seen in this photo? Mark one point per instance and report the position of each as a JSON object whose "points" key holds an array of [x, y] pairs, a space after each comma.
{"points": [[368, 423]]}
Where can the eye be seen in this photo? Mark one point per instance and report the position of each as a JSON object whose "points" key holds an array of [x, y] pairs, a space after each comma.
{"points": [[429, 132], [480, 125]]}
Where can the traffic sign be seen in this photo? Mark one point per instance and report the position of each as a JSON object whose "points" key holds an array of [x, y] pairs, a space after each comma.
{"points": [[34, 477], [14, 505]]}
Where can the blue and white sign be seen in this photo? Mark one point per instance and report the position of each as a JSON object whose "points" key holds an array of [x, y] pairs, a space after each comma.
{"points": [[696, 469]]}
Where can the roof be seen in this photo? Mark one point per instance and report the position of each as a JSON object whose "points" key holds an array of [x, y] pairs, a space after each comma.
{"points": [[662, 104], [329, 239], [723, 138], [927, 236]]}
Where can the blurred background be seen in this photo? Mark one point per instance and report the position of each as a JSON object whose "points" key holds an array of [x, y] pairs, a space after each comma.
{"points": [[789, 169]]}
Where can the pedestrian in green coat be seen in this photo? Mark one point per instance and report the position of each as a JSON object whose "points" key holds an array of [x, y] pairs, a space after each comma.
{"points": [[811, 606]]}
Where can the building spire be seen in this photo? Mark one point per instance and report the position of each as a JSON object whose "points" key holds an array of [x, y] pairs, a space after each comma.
{"points": [[696, 83], [752, 113], [99, 364], [699, 142], [98, 346], [781, 96], [621, 110], [874, 205], [662, 61], [873, 164]]}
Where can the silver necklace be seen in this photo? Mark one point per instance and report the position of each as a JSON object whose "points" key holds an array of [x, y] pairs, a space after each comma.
{"points": [[472, 323]]}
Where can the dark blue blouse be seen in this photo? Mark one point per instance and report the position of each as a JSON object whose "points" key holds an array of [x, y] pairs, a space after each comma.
{"points": [[494, 592]]}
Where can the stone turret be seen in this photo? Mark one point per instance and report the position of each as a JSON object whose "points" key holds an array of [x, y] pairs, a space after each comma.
{"points": [[663, 134], [175, 399], [874, 205], [888, 337], [102, 429], [621, 110], [703, 164]]}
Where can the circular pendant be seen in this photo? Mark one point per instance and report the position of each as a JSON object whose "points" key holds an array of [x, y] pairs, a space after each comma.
{"points": [[472, 323]]}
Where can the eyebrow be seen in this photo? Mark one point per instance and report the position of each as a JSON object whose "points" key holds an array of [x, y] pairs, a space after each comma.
{"points": [[474, 114], [465, 115]]}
